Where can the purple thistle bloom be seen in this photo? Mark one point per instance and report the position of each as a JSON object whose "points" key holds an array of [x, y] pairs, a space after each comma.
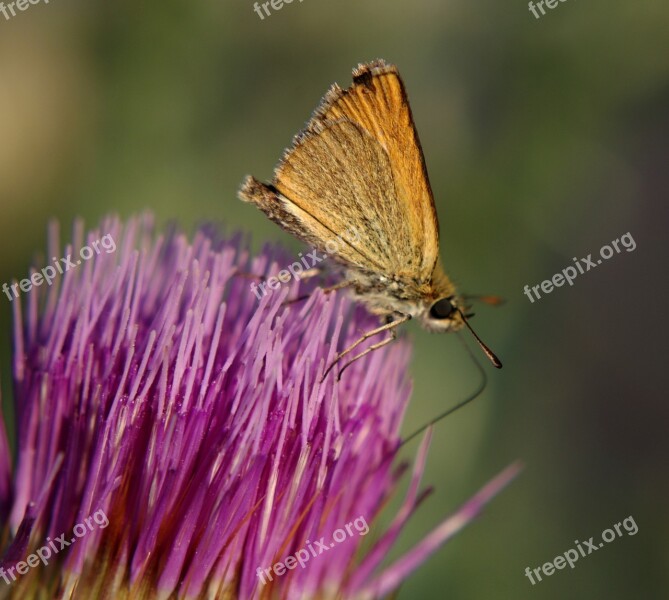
{"points": [[154, 390]]}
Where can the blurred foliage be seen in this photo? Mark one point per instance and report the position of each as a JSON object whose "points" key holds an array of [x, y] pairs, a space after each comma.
{"points": [[545, 139]]}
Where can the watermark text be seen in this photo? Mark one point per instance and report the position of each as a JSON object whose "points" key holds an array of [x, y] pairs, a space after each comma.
{"points": [[304, 555], [571, 556], [568, 274], [61, 265], [303, 268], [43, 554], [8, 9]]}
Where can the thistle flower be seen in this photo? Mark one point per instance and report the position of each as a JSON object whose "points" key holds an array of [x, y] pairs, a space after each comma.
{"points": [[180, 430]]}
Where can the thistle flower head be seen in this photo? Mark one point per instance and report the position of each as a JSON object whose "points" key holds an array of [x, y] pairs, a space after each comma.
{"points": [[174, 431]]}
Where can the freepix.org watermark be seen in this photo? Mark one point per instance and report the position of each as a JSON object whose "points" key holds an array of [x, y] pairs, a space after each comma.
{"points": [[304, 555], [305, 265], [571, 556], [263, 9], [43, 554], [8, 9], [62, 265], [540, 5], [568, 274]]}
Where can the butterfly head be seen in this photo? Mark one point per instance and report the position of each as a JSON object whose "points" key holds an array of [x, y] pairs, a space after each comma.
{"points": [[444, 315]]}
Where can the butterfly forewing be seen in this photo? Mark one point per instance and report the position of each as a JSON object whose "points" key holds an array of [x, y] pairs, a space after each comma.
{"points": [[359, 163], [378, 103]]}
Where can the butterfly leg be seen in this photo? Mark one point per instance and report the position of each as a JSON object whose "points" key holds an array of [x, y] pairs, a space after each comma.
{"points": [[393, 321], [309, 273], [327, 290], [313, 272]]}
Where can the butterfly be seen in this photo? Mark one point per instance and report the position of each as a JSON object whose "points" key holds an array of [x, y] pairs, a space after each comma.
{"points": [[359, 163]]}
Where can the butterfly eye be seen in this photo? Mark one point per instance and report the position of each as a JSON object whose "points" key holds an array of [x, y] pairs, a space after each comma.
{"points": [[442, 309]]}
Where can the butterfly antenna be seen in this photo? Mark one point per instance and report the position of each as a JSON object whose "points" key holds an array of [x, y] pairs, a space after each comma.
{"points": [[488, 352], [482, 385]]}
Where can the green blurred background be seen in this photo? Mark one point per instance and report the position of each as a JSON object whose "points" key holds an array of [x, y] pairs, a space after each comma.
{"points": [[545, 139]]}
